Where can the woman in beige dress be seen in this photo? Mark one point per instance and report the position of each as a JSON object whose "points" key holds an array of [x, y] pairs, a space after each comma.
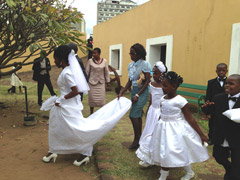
{"points": [[98, 75]]}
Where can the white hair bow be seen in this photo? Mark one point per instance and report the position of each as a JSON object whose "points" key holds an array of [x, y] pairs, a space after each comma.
{"points": [[161, 67]]}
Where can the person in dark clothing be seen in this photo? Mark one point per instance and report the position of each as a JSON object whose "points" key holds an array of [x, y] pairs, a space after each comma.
{"points": [[215, 86], [226, 133], [90, 45], [41, 68], [74, 47]]}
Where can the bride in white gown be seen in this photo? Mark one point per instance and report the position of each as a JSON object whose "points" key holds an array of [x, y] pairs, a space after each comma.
{"points": [[69, 132]]}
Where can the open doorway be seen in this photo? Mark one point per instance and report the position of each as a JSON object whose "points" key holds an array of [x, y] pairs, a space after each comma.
{"points": [[160, 49], [158, 53], [115, 57]]}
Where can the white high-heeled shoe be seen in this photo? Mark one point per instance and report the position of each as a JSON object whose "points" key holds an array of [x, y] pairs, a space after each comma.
{"points": [[50, 157], [188, 176], [164, 175], [144, 164], [85, 160]]}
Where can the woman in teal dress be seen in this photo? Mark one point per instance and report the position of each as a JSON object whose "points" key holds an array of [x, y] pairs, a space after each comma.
{"points": [[139, 78]]}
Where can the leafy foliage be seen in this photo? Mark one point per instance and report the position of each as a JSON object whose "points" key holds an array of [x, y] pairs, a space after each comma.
{"points": [[37, 25]]}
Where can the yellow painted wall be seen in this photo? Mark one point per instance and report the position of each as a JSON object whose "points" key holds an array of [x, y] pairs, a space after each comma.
{"points": [[201, 32]]}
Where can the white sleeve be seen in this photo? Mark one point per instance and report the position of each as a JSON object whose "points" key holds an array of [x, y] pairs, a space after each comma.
{"points": [[182, 102], [69, 80], [150, 89]]}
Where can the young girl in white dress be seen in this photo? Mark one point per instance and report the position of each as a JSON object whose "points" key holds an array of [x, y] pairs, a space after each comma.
{"points": [[177, 139], [153, 114]]}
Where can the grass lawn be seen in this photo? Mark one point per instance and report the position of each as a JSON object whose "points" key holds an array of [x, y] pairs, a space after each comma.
{"points": [[111, 152]]}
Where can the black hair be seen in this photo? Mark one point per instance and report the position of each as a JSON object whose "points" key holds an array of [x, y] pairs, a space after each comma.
{"points": [[98, 50], [62, 52], [221, 64], [173, 78], [73, 46], [237, 76], [140, 51]]}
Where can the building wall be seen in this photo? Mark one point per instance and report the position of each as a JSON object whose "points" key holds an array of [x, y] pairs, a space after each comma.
{"points": [[108, 9], [201, 32]]}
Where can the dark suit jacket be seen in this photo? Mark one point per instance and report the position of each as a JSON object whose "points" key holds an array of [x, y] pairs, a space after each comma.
{"points": [[37, 68], [224, 127], [213, 88]]}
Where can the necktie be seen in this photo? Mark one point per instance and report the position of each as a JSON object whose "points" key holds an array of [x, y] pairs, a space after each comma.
{"points": [[221, 80], [232, 98]]}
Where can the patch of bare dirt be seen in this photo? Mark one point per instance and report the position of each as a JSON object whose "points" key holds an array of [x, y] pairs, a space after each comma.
{"points": [[22, 148]]}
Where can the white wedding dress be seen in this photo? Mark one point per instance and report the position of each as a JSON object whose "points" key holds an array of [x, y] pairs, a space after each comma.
{"points": [[152, 118], [69, 132], [174, 142]]}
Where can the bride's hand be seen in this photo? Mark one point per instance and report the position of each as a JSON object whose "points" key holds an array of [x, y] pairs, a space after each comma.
{"points": [[59, 100], [57, 104]]}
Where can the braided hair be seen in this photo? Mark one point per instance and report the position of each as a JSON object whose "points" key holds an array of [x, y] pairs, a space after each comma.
{"points": [[173, 78]]}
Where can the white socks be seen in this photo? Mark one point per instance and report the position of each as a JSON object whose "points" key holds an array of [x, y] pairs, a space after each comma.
{"points": [[164, 175], [189, 173], [188, 169]]}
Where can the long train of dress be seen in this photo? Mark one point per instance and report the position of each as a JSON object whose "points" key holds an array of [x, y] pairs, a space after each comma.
{"points": [[70, 132]]}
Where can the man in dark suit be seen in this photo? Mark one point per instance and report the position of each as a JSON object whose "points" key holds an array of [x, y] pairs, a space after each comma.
{"points": [[74, 47], [41, 68], [226, 133], [215, 86], [90, 45]]}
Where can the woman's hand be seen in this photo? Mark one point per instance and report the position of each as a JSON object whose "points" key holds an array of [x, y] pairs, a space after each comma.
{"points": [[204, 139], [108, 86], [120, 95], [135, 99], [59, 100], [129, 83]]}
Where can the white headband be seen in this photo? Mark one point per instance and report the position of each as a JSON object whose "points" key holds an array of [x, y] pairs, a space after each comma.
{"points": [[161, 67]]}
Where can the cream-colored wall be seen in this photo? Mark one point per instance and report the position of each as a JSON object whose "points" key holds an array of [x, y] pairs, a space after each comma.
{"points": [[201, 32]]}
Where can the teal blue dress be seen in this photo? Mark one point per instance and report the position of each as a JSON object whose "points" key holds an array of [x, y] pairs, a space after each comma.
{"points": [[134, 70]]}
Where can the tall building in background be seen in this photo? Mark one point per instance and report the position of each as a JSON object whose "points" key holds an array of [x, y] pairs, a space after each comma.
{"points": [[109, 8], [81, 27]]}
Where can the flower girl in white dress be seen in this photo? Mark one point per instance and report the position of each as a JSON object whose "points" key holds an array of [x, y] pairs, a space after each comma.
{"points": [[177, 140], [69, 132], [153, 114]]}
